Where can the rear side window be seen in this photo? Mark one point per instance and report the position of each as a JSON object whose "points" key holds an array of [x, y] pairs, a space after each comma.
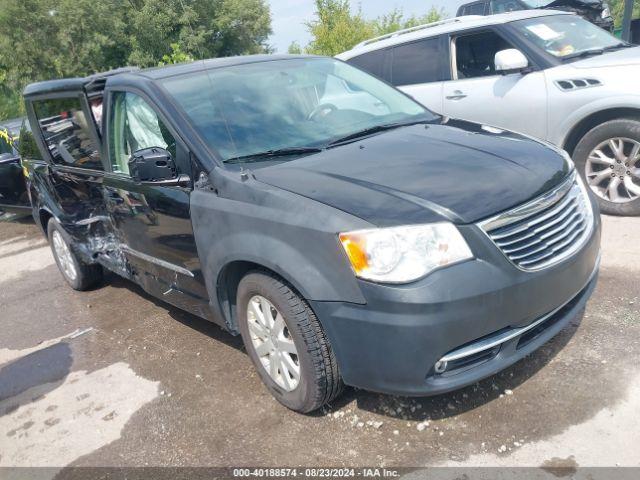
{"points": [[372, 62], [474, 9], [417, 62], [502, 6], [67, 133]]}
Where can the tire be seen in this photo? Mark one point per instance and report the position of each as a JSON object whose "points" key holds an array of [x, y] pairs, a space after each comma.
{"points": [[625, 128], [319, 379], [79, 275]]}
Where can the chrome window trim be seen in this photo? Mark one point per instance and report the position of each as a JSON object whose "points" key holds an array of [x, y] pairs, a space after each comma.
{"points": [[157, 261]]}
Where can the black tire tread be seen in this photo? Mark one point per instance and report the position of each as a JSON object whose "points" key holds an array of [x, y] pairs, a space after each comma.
{"points": [[326, 375]]}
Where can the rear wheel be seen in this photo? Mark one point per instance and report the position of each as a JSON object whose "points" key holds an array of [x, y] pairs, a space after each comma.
{"points": [[286, 343], [79, 275], [608, 157]]}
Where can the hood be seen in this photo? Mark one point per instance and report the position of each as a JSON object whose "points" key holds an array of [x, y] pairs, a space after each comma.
{"points": [[456, 171], [619, 58]]}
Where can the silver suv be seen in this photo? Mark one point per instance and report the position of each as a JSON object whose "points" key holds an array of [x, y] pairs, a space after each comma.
{"points": [[547, 74]]}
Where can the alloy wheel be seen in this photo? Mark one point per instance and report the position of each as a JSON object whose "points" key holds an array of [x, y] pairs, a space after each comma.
{"points": [[273, 343], [612, 170], [64, 256]]}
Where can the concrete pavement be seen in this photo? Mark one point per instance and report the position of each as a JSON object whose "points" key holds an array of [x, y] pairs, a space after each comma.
{"points": [[113, 377]]}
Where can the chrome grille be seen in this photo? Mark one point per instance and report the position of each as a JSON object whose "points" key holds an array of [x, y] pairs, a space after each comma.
{"points": [[545, 231]]}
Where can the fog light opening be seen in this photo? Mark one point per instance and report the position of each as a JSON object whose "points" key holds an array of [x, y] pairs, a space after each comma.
{"points": [[440, 366]]}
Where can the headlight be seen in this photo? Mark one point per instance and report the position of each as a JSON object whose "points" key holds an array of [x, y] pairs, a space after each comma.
{"points": [[403, 254], [606, 11], [567, 158], [586, 197]]}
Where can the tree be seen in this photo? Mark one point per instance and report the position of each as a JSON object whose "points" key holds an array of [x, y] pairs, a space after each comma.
{"points": [[337, 28], [617, 10], [176, 56], [202, 28], [395, 20], [294, 48], [44, 39]]}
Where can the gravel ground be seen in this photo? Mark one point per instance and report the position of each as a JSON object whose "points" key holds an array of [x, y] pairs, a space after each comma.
{"points": [[113, 377]]}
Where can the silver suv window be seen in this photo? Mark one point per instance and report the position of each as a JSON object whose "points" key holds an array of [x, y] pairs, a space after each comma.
{"points": [[417, 62], [475, 54]]}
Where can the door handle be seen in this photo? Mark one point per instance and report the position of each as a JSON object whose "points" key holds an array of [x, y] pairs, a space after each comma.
{"points": [[457, 95]]}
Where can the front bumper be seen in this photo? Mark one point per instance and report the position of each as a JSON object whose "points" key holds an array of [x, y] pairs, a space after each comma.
{"points": [[392, 344]]}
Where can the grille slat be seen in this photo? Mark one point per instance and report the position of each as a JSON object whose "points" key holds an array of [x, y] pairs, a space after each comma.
{"points": [[507, 232], [573, 219], [539, 238], [543, 232]]}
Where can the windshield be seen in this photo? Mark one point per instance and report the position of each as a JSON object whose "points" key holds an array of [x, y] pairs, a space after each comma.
{"points": [[565, 36], [286, 104]]}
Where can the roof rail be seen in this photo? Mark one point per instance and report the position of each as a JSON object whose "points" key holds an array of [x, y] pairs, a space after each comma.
{"points": [[409, 30]]}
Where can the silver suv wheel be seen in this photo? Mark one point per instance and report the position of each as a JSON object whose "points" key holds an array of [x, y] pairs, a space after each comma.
{"points": [[612, 170]]}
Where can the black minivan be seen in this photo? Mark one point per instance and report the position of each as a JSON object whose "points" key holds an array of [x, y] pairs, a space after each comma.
{"points": [[347, 233]]}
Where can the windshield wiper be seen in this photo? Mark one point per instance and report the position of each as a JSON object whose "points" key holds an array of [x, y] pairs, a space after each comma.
{"points": [[598, 51], [618, 46], [585, 53], [372, 130], [281, 152]]}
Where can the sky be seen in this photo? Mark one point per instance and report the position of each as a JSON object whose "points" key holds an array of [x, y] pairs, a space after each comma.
{"points": [[288, 16]]}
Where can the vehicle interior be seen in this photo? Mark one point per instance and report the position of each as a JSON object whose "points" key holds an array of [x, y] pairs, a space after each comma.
{"points": [[66, 132], [475, 54]]}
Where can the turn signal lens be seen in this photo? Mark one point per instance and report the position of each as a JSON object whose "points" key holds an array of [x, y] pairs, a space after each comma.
{"points": [[356, 251]]}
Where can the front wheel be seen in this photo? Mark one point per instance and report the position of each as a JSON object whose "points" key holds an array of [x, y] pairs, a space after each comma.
{"points": [[286, 343], [608, 158]]}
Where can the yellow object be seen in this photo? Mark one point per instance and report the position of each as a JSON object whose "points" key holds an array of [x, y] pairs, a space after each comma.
{"points": [[356, 248], [4, 134]]}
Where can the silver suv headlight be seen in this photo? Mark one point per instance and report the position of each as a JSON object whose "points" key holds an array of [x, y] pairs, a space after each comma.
{"points": [[403, 254]]}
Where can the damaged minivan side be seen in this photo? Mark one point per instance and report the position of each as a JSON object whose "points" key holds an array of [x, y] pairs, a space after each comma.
{"points": [[348, 234]]}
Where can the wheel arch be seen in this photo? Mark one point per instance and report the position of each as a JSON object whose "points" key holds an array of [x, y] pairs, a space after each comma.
{"points": [[44, 216], [229, 278], [581, 128]]}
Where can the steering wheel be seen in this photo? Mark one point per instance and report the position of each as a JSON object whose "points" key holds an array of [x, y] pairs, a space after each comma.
{"points": [[322, 110]]}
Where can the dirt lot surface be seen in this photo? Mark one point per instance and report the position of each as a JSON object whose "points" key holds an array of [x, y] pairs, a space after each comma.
{"points": [[113, 377]]}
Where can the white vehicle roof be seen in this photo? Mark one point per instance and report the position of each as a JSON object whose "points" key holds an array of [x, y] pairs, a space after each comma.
{"points": [[446, 26]]}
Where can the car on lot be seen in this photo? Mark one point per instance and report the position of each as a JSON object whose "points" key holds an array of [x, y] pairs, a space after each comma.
{"points": [[347, 233], [13, 193], [550, 75], [597, 12]]}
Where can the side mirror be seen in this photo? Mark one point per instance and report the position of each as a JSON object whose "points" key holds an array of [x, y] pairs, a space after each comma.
{"points": [[153, 164], [511, 61]]}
